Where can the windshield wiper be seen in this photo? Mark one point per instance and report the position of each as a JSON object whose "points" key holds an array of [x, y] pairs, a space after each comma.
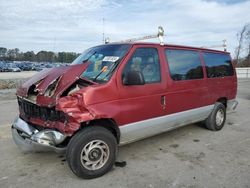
{"points": [[104, 70], [112, 68]]}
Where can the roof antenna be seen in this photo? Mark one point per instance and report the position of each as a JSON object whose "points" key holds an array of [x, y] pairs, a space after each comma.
{"points": [[103, 34]]}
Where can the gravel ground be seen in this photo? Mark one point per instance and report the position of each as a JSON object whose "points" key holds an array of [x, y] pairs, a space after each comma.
{"points": [[7, 94], [16, 75], [186, 157], [10, 80]]}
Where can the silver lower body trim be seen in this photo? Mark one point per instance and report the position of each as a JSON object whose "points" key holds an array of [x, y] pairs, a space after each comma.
{"points": [[143, 129], [29, 139]]}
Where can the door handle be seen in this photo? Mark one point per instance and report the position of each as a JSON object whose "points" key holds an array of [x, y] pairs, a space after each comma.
{"points": [[163, 102]]}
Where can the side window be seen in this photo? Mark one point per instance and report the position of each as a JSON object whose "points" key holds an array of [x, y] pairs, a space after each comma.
{"points": [[218, 65], [146, 61], [184, 64]]}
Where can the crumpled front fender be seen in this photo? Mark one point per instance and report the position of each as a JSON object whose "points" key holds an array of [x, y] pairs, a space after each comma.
{"points": [[73, 106]]}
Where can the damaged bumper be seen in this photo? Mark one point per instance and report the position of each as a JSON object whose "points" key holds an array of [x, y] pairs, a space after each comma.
{"points": [[29, 139]]}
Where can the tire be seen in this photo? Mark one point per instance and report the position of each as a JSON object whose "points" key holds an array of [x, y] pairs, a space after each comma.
{"points": [[217, 118], [91, 152]]}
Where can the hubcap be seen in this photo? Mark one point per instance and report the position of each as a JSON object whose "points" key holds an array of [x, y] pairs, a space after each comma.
{"points": [[219, 117], [94, 155]]}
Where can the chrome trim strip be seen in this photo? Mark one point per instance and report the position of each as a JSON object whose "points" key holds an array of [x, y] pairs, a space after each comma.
{"points": [[22, 126], [27, 145], [23, 98], [28, 138], [142, 129]]}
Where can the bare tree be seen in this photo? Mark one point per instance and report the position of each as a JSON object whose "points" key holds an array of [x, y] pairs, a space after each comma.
{"points": [[247, 38], [241, 35]]}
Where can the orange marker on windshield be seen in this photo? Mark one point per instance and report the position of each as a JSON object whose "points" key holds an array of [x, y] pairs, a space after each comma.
{"points": [[104, 69]]}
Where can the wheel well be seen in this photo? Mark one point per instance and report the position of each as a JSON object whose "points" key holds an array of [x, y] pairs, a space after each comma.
{"points": [[223, 100], [106, 123]]}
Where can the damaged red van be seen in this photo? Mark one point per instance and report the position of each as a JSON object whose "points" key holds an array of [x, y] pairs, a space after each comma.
{"points": [[118, 93]]}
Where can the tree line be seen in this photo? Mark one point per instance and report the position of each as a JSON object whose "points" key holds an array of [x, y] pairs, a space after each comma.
{"points": [[41, 56]]}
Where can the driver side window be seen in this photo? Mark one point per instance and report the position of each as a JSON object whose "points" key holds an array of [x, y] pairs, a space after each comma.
{"points": [[146, 61]]}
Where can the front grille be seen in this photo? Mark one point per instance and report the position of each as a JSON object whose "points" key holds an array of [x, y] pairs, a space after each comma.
{"points": [[31, 110]]}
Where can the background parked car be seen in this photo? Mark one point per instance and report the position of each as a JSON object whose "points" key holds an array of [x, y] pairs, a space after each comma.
{"points": [[17, 66]]}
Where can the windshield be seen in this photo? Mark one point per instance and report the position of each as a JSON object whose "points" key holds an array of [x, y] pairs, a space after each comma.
{"points": [[102, 61]]}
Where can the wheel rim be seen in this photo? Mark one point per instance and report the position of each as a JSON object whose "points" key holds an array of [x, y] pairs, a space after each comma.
{"points": [[94, 155], [219, 117]]}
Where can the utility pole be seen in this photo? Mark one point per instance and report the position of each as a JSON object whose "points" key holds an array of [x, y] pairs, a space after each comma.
{"points": [[54, 44], [103, 34]]}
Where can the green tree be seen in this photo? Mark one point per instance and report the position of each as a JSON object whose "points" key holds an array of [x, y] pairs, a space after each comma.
{"points": [[3, 52], [29, 56], [45, 56], [41, 56]]}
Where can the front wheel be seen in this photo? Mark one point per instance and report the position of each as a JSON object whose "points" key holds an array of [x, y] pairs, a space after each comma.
{"points": [[91, 152], [217, 118]]}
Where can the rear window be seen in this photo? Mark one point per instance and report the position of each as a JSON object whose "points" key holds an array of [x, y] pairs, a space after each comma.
{"points": [[184, 64], [218, 65]]}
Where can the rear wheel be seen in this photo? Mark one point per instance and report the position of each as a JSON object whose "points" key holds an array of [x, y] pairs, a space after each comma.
{"points": [[217, 118], [91, 152]]}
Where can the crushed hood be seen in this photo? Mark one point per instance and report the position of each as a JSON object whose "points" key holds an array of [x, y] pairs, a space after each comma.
{"points": [[37, 85]]}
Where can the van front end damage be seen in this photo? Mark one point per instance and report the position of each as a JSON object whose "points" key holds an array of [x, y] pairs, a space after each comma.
{"points": [[50, 111], [29, 139], [34, 131], [42, 128]]}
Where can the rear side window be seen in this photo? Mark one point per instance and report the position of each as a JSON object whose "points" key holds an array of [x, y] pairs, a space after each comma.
{"points": [[184, 64], [218, 65]]}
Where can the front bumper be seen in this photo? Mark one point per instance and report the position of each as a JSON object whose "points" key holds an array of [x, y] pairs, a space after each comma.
{"points": [[29, 139]]}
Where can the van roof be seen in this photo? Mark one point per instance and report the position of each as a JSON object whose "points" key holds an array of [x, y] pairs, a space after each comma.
{"points": [[174, 46]]}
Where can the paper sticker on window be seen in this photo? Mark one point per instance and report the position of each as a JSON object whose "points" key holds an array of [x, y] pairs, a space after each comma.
{"points": [[110, 58]]}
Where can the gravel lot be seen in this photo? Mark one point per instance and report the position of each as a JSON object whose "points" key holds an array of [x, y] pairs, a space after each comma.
{"points": [[10, 80], [186, 157], [16, 75]]}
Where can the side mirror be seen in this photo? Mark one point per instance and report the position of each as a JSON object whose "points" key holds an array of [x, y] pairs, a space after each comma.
{"points": [[133, 78]]}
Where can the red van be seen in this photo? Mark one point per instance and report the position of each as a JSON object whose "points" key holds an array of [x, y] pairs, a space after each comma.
{"points": [[118, 93]]}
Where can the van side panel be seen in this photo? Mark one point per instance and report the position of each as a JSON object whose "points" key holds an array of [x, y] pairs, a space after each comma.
{"points": [[138, 110], [223, 86], [140, 102], [184, 95]]}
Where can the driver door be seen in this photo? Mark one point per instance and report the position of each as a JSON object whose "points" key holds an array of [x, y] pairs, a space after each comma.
{"points": [[142, 102]]}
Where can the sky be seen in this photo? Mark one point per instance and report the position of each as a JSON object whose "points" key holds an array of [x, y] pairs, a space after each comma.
{"points": [[74, 25]]}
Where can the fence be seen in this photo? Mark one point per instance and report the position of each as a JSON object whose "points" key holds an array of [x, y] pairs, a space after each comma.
{"points": [[243, 72]]}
